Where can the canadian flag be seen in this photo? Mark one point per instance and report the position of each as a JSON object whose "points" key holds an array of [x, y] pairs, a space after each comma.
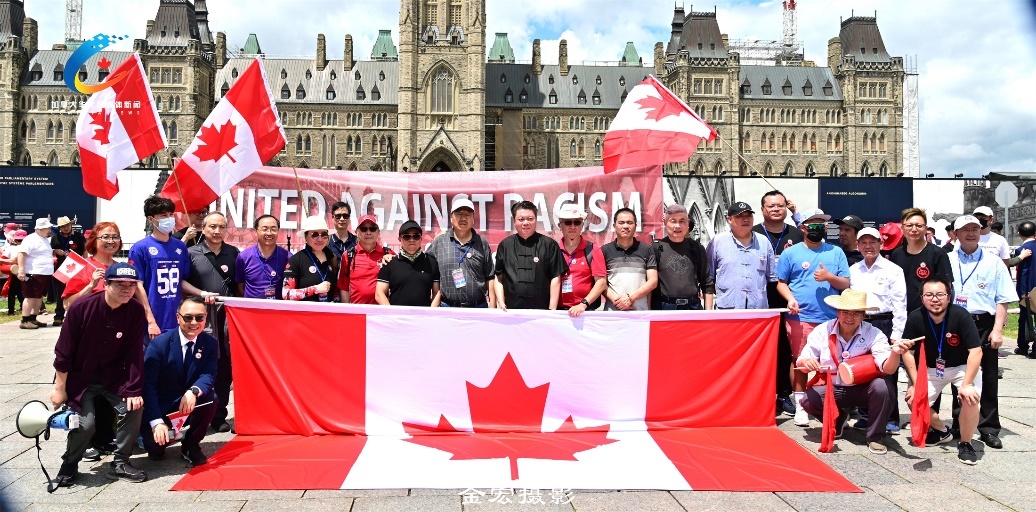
{"points": [[118, 127], [427, 398], [241, 134], [653, 127], [74, 268]]}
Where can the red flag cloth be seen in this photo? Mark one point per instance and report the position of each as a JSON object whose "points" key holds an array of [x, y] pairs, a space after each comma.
{"points": [[118, 127], [75, 268], [825, 377], [920, 411], [653, 127], [241, 134]]}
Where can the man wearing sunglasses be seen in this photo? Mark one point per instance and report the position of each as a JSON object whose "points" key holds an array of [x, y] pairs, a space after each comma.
{"points": [[587, 277], [465, 260], [358, 271], [179, 374], [341, 240], [411, 278], [807, 273]]}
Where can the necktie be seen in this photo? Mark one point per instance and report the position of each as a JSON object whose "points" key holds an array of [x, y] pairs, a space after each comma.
{"points": [[187, 356]]}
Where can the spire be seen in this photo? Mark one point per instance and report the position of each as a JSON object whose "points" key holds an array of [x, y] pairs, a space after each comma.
{"points": [[630, 56], [384, 48], [12, 14], [501, 51], [252, 48]]}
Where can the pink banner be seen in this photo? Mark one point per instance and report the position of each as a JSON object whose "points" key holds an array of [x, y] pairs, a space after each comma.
{"points": [[426, 198]]}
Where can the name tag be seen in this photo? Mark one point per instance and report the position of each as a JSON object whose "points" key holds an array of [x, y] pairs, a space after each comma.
{"points": [[566, 284], [940, 368], [271, 293], [459, 281], [961, 300]]}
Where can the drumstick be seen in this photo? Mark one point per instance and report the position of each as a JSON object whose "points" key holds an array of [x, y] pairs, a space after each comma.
{"points": [[800, 368]]}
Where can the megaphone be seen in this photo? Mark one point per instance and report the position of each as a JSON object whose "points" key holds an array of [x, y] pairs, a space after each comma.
{"points": [[36, 419]]}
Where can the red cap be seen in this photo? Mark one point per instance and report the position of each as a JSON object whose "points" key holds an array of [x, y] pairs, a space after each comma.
{"points": [[891, 235], [10, 226], [368, 218], [20, 234]]}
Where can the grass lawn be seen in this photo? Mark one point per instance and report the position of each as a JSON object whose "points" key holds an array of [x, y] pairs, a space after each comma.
{"points": [[17, 316]]}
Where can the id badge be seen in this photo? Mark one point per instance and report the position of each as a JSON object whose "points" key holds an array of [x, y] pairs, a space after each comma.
{"points": [[271, 293], [458, 278], [940, 368], [566, 284], [961, 300]]}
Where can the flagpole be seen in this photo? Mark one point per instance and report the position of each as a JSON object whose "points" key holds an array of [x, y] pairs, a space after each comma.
{"points": [[178, 191], [302, 203], [749, 164]]}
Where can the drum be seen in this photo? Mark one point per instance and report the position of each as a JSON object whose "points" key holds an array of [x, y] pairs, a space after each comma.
{"points": [[858, 370]]}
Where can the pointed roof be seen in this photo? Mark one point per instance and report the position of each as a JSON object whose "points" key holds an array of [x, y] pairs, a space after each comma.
{"points": [[202, 13], [12, 14], [501, 51], [630, 56], [861, 38], [252, 45], [176, 22], [384, 48]]}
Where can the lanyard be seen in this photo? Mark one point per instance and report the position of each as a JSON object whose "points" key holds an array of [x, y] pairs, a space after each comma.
{"points": [[316, 264], [852, 341], [961, 272], [770, 238], [270, 273], [471, 244], [942, 335]]}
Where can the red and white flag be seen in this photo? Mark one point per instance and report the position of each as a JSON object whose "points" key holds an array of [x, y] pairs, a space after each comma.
{"points": [[427, 398], [75, 268], [653, 127], [118, 127], [242, 133]]}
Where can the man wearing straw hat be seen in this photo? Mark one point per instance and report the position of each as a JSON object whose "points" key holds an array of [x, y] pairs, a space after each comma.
{"points": [[843, 339], [65, 241]]}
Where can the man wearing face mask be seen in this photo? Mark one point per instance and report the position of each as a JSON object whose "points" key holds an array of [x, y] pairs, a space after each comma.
{"points": [[991, 243], [808, 272], [164, 266]]}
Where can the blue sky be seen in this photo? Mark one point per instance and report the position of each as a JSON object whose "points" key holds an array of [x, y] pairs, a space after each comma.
{"points": [[975, 58]]}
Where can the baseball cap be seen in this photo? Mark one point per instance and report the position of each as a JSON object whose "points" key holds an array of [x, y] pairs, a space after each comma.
{"points": [[462, 202], [408, 225], [851, 221], [738, 208], [814, 213], [983, 210], [868, 232], [964, 220], [368, 218], [571, 211], [121, 272], [891, 235], [19, 235]]}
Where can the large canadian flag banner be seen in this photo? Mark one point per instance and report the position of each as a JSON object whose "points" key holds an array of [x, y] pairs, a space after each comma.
{"points": [[331, 396]]}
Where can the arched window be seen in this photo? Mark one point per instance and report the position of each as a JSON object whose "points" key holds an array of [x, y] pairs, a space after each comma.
{"points": [[746, 142], [572, 149], [553, 97], [597, 148], [809, 170], [330, 93], [883, 171], [60, 136], [699, 167], [173, 132], [349, 144], [284, 74], [865, 169], [773, 141], [881, 140], [25, 130], [834, 169], [718, 168], [838, 142], [813, 143], [789, 170], [581, 149], [75, 159], [359, 145], [383, 149], [298, 144], [50, 131], [309, 144], [442, 91], [532, 147]]}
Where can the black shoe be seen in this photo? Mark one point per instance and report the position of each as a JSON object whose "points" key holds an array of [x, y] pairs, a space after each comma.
{"points": [[935, 437], [221, 427], [92, 454], [786, 405], [966, 454], [194, 455], [999, 373], [57, 322], [156, 454], [1021, 351], [991, 440], [123, 469], [67, 475]]}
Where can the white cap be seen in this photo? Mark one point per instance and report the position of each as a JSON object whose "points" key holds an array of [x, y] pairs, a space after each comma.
{"points": [[815, 213], [868, 231], [983, 210], [43, 224], [571, 211], [964, 220], [462, 202], [314, 223]]}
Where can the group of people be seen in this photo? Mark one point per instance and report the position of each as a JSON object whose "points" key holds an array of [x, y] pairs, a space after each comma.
{"points": [[146, 340], [35, 256]]}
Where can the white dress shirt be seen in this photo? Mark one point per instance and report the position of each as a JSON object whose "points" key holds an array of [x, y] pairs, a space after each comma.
{"points": [[867, 339], [886, 289], [183, 354]]}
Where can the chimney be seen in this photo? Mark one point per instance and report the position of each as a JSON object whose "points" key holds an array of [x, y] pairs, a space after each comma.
{"points": [[221, 50], [563, 57], [537, 62], [726, 40], [150, 27], [348, 65], [30, 36], [659, 59], [834, 54], [321, 53]]}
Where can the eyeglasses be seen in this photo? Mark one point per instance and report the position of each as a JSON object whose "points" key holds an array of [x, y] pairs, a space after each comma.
{"points": [[914, 226], [410, 237], [110, 238], [817, 225], [319, 235], [570, 222], [851, 314], [192, 318], [366, 230], [341, 216], [268, 229], [938, 296]]}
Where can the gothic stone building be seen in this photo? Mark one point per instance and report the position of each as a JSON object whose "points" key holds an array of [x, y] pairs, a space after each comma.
{"points": [[441, 102]]}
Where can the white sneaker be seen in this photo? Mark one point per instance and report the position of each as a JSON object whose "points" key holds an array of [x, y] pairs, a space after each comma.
{"points": [[903, 377], [801, 418]]}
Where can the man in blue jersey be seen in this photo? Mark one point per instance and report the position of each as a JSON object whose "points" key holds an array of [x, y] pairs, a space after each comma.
{"points": [[163, 265]]}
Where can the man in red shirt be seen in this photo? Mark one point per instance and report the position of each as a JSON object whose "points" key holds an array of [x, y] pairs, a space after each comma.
{"points": [[586, 280], [358, 273]]}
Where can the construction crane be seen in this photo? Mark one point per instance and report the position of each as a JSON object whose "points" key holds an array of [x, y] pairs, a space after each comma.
{"points": [[73, 23], [786, 51]]}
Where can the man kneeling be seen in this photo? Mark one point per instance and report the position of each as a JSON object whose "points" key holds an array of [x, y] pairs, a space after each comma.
{"points": [[842, 339], [953, 355], [179, 372]]}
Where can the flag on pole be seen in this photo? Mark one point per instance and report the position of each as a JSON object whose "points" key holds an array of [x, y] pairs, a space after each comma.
{"points": [[241, 134], [118, 127], [653, 127], [75, 269]]}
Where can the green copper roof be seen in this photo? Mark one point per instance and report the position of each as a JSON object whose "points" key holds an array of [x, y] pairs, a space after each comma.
{"points": [[252, 45], [501, 51], [630, 56], [384, 48]]}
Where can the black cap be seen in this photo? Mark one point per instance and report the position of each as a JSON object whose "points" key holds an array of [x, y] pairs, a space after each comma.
{"points": [[851, 221], [408, 225], [738, 208], [121, 272]]}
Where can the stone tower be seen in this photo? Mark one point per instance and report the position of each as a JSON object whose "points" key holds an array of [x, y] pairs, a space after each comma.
{"points": [[13, 57], [442, 83]]}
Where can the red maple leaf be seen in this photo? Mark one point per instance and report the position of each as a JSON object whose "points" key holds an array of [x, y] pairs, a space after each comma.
{"points": [[104, 63], [506, 417], [218, 142], [70, 267], [659, 109], [101, 119]]}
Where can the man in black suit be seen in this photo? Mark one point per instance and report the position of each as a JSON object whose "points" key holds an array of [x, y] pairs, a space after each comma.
{"points": [[179, 375]]}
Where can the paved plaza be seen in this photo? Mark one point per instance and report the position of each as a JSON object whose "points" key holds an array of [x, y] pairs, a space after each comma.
{"points": [[904, 479]]}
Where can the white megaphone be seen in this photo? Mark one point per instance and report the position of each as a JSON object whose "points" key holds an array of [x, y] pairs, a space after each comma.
{"points": [[36, 419]]}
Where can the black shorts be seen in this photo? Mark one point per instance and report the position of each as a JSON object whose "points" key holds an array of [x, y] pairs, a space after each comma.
{"points": [[36, 286]]}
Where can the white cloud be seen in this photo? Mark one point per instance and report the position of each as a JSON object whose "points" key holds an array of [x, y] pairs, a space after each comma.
{"points": [[975, 58]]}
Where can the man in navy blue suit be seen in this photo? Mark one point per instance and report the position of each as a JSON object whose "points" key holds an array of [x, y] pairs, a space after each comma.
{"points": [[179, 374]]}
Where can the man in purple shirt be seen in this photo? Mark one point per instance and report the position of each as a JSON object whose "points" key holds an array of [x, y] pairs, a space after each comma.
{"points": [[260, 268], [99, 354]]}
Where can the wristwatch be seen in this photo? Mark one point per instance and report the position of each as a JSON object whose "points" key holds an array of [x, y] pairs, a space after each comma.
{"points": [[196, 390], [585, 303]]}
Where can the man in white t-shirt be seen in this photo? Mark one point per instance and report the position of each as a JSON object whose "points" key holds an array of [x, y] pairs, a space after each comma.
{"points": [[991, 243], [35, 268]]}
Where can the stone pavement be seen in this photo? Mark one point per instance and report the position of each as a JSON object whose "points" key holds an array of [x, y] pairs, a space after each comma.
{"points": [[904, 479]]}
